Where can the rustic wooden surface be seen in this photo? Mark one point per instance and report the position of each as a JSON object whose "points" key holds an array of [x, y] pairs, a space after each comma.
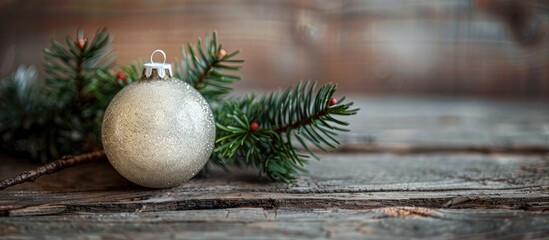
{"points": [[449, 123], [383, 188], [259, 223]]}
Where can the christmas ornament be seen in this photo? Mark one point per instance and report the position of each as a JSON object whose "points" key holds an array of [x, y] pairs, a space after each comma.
{"points": [[159, 131]]}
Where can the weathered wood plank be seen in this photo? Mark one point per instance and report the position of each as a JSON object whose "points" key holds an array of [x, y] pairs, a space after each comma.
{"points": [[258, 223], [466, 124], [360, 181]]}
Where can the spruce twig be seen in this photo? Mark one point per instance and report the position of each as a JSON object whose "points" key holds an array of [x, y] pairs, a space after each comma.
{"points": [[296, 114], [205, 68], [53, 167], [61, 115]]}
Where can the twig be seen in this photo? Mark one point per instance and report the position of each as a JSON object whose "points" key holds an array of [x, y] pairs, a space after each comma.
{"points": [[204, 74], [53, 167], [306, 121]]}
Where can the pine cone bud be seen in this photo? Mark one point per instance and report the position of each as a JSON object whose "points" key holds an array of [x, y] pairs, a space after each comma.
{"points": [[333, 101], [222, 54], [81, 43]]}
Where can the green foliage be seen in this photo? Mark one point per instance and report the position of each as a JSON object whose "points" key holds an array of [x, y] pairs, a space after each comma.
{"points": [[25, 114], [204, 68], [80, 79], [297, 114], [64, 115]]}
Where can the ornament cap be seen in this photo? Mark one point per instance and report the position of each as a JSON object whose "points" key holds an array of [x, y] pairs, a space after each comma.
{"points": [[162, 69]]}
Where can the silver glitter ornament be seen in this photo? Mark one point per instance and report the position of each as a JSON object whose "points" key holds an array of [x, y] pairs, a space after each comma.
{"points": [[159, 131]]}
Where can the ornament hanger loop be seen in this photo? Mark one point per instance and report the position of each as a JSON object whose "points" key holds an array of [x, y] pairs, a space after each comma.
{"points": [[160, 51], [161, 68]]}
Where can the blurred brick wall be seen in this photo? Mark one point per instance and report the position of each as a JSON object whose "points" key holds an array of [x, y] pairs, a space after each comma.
{"points": [[450, 47]]}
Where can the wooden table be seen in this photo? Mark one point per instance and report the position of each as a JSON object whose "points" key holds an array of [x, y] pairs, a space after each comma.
{"points": [[425, 168]]}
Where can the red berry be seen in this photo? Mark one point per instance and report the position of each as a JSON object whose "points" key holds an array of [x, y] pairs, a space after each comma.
{"points": [[120, 79], [80, 43], [332, 102], [121, 76], [254, 126]]}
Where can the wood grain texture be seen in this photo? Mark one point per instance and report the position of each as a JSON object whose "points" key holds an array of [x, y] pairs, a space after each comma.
{"points": [[360, 181], [409, 124], [258, 223]]}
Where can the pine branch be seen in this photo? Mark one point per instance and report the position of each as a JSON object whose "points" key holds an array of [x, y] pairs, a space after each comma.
{"points": [[295, 114], [53, 167], [73, 110], [204, 68], [72, 67], [25, 115]]}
